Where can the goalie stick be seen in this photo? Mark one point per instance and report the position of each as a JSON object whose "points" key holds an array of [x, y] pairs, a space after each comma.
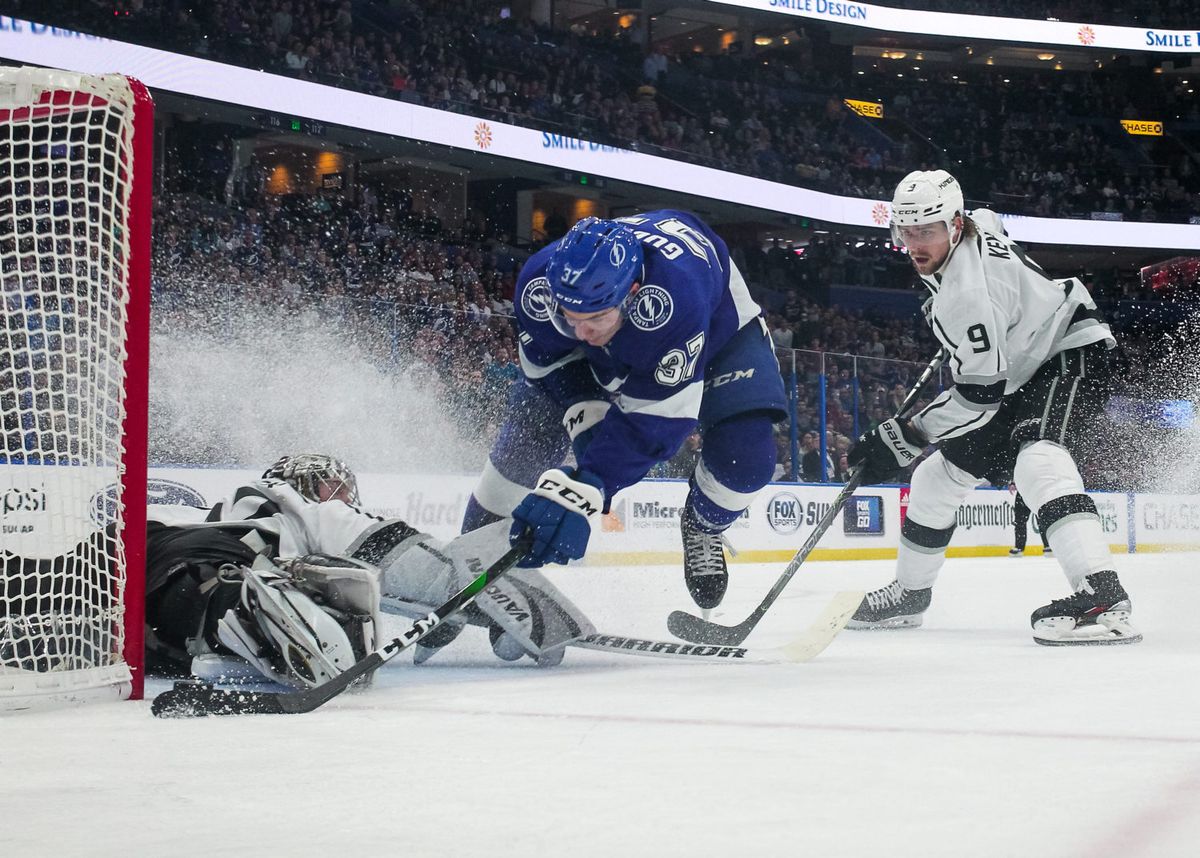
{"points": [[807, 646], [689, 627], [190, 699]]}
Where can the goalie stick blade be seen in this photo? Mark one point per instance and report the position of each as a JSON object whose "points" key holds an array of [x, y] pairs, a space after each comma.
{"points": [[196, 699]]}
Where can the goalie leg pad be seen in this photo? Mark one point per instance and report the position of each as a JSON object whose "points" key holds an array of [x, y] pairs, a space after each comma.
{"points": [[523, 604], [347, 589], [282, 632], [532, 616], [417, 580]]}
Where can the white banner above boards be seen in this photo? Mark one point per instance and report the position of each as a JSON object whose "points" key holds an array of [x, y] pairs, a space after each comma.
{"points": [[989, 28], [39, 44]]}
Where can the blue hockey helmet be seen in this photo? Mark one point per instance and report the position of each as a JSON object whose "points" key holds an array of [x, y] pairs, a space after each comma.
{"points": [[594, 266]]}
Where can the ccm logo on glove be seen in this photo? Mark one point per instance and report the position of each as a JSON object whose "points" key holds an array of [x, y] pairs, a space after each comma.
{"points": [[579, 497], [558, 514]]}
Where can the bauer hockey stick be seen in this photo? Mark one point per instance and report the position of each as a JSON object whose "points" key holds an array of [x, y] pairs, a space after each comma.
{"points": [[190, 698], [689, 627]]}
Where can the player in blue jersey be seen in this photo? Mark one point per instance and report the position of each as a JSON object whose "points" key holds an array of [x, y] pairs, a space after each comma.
{"points": [[632, 332]]}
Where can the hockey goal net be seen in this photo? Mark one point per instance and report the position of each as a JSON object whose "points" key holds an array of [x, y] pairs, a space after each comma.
{"points": [[75, 169]]}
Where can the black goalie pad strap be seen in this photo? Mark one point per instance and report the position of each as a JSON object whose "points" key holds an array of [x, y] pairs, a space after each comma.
{"points": [[376, 546]]}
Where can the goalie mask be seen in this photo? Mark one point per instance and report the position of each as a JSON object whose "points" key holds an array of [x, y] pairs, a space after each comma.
{"points": [[317, 477], [926, 197]]}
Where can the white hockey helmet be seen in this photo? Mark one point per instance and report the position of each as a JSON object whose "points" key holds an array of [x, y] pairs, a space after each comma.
{"points": [[307, 473], [927, 196]]}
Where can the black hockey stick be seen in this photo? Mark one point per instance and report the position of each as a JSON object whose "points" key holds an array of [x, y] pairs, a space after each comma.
{"points": [[689, 627], [190, 698]]}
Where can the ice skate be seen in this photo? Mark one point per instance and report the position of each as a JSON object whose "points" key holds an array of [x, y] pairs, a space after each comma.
{"points": [[1097, 613], [704, 567], [891, 607], [1016, 552]]}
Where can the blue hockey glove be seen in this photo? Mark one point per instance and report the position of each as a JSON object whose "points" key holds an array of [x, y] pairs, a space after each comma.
{"points": [[886, 450], [559, 513]]}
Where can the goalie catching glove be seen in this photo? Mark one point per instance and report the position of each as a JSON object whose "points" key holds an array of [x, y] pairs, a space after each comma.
{"points": [[559, 514], [886, 450]]}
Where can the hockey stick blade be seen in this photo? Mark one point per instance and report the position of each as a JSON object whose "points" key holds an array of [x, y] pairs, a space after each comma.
{"points": [[195, 699], [699, 630], [805, 647]]}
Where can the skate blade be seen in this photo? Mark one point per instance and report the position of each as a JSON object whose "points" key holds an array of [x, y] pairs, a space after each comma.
{"points": [[910, 622], [1108, 630]]}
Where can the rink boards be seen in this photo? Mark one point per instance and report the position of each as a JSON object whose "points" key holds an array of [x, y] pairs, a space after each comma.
{"points": [[642, 526]]}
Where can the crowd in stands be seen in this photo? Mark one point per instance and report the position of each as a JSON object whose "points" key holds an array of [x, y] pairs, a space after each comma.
{"points": [[435, 299], [1033, 143], [435, 302]]}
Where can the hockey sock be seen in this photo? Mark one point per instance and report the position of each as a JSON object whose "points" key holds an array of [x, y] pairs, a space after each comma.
{"points": [[922, 553], [738, 460], [1048, 479], [1076, 536], [477, 515], [938, 487]]}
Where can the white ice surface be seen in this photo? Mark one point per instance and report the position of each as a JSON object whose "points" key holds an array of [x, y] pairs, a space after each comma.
{"points": [[963, 738]]}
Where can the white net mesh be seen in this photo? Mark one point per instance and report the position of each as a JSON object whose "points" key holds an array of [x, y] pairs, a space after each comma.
{"points": [[66, 155]]}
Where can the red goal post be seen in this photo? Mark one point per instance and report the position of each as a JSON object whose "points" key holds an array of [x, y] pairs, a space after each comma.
{"points": [[76, 154]]}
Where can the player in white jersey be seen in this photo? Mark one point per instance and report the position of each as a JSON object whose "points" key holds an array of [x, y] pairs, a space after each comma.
{"points": [[1029, 358], [287, 575]]}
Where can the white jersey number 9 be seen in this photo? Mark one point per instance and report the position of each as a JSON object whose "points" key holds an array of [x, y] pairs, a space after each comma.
{"points": [[978, 336]]}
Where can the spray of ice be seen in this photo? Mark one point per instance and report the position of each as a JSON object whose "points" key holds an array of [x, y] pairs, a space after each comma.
{"points": [[245, 385], [1169, 458]]}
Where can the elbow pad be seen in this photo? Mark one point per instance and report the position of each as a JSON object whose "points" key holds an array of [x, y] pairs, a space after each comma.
{"points": [[579, 421]]}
